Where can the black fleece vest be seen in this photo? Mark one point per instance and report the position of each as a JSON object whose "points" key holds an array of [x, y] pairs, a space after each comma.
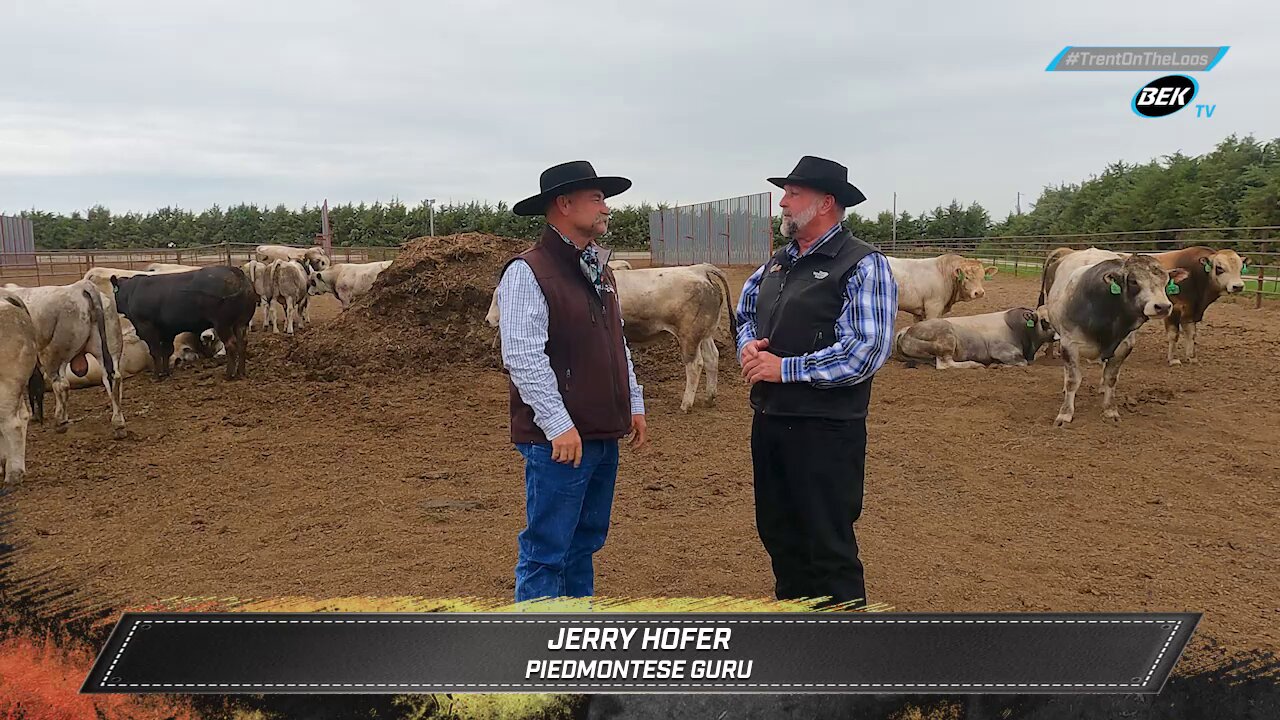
{"points": [[797, 309]]}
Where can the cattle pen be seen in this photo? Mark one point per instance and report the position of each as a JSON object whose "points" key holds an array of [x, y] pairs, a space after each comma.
{"points": [[302, 482], [1019, 254], [56, 267]]}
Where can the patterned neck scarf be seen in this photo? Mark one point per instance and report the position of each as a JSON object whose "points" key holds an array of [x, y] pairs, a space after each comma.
{"points": [[589, 262]]}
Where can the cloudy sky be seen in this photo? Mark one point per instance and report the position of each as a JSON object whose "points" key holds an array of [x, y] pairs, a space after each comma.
{"points": [[138, 105]]}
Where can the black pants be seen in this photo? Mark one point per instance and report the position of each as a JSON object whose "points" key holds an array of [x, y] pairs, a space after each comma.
{"points": [[808, 489]]}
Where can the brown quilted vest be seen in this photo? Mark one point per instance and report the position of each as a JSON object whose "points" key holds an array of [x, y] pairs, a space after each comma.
{"points": [[584, 344]]}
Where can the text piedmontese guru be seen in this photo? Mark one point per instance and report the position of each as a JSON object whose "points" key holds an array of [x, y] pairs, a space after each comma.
{"points": [[677, 639]]}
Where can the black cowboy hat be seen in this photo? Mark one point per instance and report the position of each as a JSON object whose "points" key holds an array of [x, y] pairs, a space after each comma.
{"points": [[565, 178], [825, 175]]}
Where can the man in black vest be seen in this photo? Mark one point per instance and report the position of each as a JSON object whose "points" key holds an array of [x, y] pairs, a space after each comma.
{"points": [[815, 323]]}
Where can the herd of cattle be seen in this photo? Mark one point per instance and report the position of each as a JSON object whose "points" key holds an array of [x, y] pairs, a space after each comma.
{"points": [[1092, 303], [115, 323]]}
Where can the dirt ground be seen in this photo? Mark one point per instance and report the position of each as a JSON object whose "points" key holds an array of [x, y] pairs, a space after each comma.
{"points": [[405, 484]]}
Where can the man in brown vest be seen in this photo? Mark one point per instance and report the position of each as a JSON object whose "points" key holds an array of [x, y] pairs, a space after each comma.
{"points": [[573, 391]]}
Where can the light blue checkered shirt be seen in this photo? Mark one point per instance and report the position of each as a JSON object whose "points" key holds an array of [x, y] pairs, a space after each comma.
{"points": [[522, 326], [864, 329]]}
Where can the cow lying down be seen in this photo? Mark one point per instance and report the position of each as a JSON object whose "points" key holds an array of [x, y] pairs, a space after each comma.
{"points": [[1008, 337], [136, 357]]}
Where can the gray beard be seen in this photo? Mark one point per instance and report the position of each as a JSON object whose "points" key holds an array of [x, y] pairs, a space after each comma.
{"points": [[791, 225]]}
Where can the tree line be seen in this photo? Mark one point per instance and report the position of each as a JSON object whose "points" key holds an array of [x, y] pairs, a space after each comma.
{"points": [[1235, 184]]}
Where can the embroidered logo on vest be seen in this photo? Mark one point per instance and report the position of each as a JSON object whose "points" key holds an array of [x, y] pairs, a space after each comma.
{"points": [[819, 274]]}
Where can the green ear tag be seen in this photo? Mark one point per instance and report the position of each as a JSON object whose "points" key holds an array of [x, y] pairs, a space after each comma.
{"points": [[961, 276], [1031, 323], [1172, 288], [1115, 288], [1208, 266], [1244, 268]]}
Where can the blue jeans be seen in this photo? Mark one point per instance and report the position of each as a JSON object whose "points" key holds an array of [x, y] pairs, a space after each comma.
{"points": [[567, 513]]}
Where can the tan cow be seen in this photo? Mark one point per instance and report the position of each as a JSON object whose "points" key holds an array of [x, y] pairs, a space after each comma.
{"points": [[620, 265], [171, 267], [73, 321], [347, 281], [1210, 275], [19, 353], [928, 287], [289, 287], [684, 302]]}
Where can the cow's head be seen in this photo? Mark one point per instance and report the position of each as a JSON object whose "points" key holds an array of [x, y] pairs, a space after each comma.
{"points": [[319, 283], [122, 288], [968, 276], [1044, 329], [316, 260], [1143, 284], [491, 317], [1225, 269]]}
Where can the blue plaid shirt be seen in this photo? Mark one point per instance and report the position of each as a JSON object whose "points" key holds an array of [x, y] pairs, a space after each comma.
{"points": [[522, 325], [864, 329]]}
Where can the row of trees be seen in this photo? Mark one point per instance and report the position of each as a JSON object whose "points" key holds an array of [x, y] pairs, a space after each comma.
{"points": [[1238, 183]]}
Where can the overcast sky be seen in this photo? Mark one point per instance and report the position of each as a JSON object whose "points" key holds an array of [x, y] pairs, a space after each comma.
{"points": [[139, 105]]}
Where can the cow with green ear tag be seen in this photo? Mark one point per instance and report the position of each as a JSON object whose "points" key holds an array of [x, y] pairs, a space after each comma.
{"points": [[1210, 275], [1007, 337], [1097, 302]]}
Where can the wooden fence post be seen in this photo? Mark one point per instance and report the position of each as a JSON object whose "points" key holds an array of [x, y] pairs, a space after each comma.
{"points": [[1257, 297], [227, 245]]}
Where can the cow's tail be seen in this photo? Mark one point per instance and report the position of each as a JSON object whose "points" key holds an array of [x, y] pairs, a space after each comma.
{"points": [[35, 392], [99, 318], [1046, 275], [728, 303]]}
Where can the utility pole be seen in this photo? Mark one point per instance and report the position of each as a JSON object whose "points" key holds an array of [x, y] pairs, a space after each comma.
{"points": [[894, 243], [1019, 202], [431, 209]]}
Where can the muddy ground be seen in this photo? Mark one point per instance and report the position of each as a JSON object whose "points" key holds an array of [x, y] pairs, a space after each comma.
{"points": [[405, 484]]}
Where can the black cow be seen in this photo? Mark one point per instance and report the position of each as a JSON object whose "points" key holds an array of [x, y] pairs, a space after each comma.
{"points": [[163, 306]]}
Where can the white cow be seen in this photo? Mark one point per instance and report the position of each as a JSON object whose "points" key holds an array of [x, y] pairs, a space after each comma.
{"points": [[73, 321], [289, 287], [928, 287], [620, 265], [347, 281], [313, 257], [259, 274], [683, 301], [1006, 337], [20, 380], [170, 267]]}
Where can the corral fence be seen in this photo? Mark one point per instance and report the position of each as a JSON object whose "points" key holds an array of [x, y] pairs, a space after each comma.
{"points": [[733, 231], [1026, 254], [59, 267]]}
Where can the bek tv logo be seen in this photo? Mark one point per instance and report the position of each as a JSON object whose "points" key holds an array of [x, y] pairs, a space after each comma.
{"points": [[1165, 96]]}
